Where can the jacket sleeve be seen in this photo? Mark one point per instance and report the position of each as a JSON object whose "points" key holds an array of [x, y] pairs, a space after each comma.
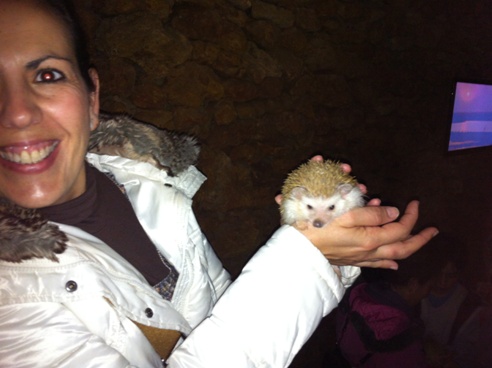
{"points": [[218, 275], [270, 311], [50, 335]]}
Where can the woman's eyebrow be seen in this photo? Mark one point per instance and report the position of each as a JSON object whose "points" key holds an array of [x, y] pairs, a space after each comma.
{"points": [[35, 63]]}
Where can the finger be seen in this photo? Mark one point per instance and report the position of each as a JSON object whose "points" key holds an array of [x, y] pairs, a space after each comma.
{"points": [[346, 168], [317, 158], [368, 216], [374, 202], [411, 214], [381, 263], [278, 199], [403, 249], [396, 231], [362, 188], [371, 263]]}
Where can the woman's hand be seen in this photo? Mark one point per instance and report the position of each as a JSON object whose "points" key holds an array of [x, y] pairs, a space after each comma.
{"points": [[370, 236]]}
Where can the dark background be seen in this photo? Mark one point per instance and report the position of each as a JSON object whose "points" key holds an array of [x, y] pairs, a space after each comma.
{"points": [[264, 85]]}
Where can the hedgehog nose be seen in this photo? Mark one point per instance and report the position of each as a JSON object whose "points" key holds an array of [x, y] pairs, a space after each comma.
{"points": [[318, 223]]}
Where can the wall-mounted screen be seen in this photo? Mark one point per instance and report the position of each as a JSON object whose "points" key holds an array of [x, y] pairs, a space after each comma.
{"points": [[471, 124]]}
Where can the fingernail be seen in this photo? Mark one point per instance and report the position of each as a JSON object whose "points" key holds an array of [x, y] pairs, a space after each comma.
{"points": [[392, 212]]}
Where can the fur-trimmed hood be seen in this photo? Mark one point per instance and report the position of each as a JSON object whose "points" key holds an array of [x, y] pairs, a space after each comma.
{"points": [[122, 135]]}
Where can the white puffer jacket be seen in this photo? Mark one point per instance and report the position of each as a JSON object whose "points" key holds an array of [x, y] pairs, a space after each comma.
{"points": [[79, 312]]}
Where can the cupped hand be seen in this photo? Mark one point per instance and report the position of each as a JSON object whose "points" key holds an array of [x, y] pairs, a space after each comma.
{"points": [[370, 236]]}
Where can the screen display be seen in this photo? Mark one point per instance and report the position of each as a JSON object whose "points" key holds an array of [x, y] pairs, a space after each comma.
{"points": [[471, 124]]}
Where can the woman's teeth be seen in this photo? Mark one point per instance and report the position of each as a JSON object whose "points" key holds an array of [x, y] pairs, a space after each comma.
{"points": [[25, 157]]}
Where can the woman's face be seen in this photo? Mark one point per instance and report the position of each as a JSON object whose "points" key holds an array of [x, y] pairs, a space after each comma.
{"points": [[46, 110]]}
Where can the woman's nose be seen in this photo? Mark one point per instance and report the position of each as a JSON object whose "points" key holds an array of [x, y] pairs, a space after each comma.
{"points": [[18, 108]]}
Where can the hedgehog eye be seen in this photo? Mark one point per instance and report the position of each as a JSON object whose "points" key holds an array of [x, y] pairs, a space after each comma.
{"points": [[332, 207], [309, 207]]}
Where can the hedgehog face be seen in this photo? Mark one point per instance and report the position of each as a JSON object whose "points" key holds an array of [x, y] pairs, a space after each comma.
{"points": [[320, 210], [318, 192]]}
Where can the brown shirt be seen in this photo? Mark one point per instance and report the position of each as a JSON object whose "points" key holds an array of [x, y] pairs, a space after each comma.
{"points": [[105, 212]]}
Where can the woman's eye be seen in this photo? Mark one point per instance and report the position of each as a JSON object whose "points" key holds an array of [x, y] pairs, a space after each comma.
{"points": [[48, 76]]}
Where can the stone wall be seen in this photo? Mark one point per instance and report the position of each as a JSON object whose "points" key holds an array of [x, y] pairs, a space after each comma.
{"points": [[264, 85]]}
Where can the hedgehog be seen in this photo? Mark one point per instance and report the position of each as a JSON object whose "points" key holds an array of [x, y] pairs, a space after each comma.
{"points": [[318, 192], [122, 135]]}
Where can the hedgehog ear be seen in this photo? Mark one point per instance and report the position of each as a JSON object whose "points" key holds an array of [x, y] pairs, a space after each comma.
{"points": [[344, 189], [299, 192]]}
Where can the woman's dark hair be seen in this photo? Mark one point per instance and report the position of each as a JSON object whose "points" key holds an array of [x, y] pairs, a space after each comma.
{"points": [[65, 12]]}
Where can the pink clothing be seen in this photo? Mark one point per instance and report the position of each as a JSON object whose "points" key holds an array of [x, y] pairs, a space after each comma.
{"points": [[377, 328]]}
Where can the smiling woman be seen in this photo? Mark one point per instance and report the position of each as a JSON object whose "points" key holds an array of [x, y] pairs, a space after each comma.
{"points": [[45, 112], [107, 266]]}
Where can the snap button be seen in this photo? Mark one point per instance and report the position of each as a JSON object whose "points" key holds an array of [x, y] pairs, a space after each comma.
{"points": [[149, 312], [71, 286]]}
